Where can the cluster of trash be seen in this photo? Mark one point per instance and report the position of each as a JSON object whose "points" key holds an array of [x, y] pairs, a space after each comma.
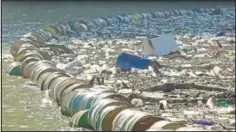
{"points": [[168, 70]]}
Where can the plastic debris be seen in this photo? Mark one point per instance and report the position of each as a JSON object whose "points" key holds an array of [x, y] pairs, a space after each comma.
{"points": [[106, 37], [220, 33], [159, 46], [223, 103], [127, 61], [205, 123]]}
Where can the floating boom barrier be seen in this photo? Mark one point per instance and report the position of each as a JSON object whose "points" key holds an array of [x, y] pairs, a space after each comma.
{"points": [[98, 108]]}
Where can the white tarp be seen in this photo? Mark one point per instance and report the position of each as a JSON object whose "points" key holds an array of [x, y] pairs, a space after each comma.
{"points": [[159, 46]]}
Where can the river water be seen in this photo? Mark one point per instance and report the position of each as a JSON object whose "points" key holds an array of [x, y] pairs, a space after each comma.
{"points": [[27, 108]]}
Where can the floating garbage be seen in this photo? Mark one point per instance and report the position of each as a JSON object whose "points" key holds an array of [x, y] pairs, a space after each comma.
{"points": [[74, 63], [159, 46], [14, 69], [18, 44], [220, 33], [101, 108], [127, 61], [205, 123], [223, 103]]}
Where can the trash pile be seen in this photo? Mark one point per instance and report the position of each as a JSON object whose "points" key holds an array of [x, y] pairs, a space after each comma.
{"points": [[167, 70]]}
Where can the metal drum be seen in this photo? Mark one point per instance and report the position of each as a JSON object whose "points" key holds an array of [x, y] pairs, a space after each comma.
{"points": [[22, 51], [52, 29], [42, 78], [65, 103], [86, 100], [67, 83], [107, 116], [74, 87], [51, 78], [36, 69], [166, 125], [38, 36], [29, 69], [17, 44], [55, 84], [134, 120], [14, 69], [37, 55], [42, 69], [25, 74], [97, 108], [80, 119]]}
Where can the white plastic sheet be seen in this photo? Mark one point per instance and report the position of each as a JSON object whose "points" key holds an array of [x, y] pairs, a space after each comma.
{"points": [[159, 46]]}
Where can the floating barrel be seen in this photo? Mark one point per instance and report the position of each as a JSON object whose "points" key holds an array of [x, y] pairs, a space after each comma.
{"points": [[134, 120], [61, 28], [97, 108], [14, 69], [55, 83], [73, 87], [52, 29], [17, 44], [166, 125], [42, 78], [30, 36], [62, 86], [42, 70], [26, 72], [38, 66], [47, 34], [106, 20], [73, 25], [36, 55], [83, 27], [66, 102], [22, 52], [80, 119], [51, 78], [39, 36], [25, 46], [107, 116], [82, 101]]}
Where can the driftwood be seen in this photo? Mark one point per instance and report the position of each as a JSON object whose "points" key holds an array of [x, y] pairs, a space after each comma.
{"points": [[170, 100], [168, 87]]}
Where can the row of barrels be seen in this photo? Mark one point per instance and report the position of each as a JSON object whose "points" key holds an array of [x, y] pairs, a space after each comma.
{"points": [[75, 26], [99, 108]]}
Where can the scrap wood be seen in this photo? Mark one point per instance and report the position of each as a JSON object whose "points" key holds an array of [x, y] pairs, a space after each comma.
{"points": [[167, 87], [170, 100]]}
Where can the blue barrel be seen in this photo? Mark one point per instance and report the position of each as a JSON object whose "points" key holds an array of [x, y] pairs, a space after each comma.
{"points": [[127, 61]]}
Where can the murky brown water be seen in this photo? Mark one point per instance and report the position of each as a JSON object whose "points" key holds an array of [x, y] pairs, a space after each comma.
{"points": [[27, 108]]}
